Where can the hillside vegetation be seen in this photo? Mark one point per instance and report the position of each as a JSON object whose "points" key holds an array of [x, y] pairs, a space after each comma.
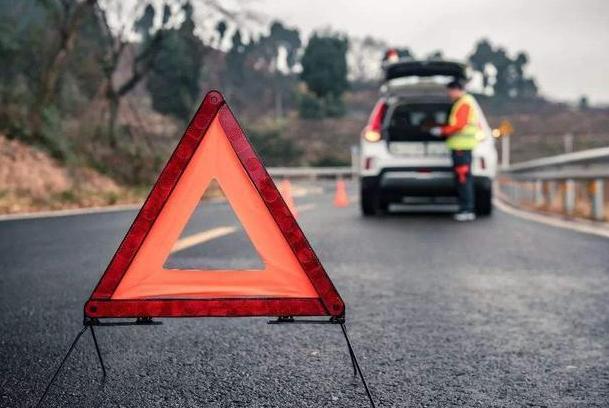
{"points": [[95, 93], [31, 180]]}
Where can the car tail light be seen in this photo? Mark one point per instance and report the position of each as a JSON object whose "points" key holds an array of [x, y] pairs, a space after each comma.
{"points": [[368, 163], [392, 55], [482, 163], [372, 136], [372, 132]]}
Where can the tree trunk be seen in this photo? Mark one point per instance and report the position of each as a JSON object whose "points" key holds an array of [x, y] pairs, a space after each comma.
{"points": [[278, 104], [114, 101], [68, 29]]}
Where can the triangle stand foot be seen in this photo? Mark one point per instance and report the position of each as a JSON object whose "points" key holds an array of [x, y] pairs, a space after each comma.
{"points": [[63, 361], [335, 320]]}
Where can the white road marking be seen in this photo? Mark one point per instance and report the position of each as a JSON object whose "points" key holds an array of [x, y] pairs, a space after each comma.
{"points": [[208, 235], [579, 226], [180, 245], [303, 191], [202, 237], [305, 207]]}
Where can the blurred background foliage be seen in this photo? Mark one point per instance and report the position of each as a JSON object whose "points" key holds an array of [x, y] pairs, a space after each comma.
{"points": [[110, 85]]}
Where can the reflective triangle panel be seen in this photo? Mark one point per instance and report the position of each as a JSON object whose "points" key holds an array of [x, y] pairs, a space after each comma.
{"points": [[292, 281]]}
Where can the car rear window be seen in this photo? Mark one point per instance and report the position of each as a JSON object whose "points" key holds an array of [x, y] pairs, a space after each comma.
{"points": [[411, 122]]}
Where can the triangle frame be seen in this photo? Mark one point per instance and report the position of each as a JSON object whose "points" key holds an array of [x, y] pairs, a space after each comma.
{"points": [[101, 303]]}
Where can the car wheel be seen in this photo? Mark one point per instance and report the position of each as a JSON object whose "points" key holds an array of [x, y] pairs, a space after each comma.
{"points": [[367, 203], [484, 201], [383, 205]]}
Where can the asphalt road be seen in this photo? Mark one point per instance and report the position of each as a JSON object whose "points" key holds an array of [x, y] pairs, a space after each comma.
{"points": [[502, 312]]}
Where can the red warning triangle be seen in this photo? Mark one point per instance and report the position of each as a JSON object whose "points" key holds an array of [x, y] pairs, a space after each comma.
{"points": [[292, 282]]}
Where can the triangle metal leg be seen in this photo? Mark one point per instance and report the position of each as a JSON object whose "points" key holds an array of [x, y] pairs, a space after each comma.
{"points": [[78, 336], [335, 320], [99, 356], [356, 365], [353, 363]]}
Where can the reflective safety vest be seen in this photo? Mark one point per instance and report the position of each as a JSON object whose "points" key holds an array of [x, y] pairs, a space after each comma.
{"points": [[467, 138]]}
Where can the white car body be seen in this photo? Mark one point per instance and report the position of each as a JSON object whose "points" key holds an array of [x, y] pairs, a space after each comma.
{"points": [[395, 171], [413, 154]]}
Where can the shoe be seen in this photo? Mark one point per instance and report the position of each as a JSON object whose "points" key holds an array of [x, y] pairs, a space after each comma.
{"points": [[464, 216]]}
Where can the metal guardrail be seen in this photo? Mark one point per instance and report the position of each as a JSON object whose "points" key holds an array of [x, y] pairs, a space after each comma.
{"points": [[591, 163], [540, 182], [311, 172]]}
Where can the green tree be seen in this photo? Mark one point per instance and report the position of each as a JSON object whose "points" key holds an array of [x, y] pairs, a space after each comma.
{"points": [[262, 69], [41, 83], [37, 39], [502, 75], [235, 60], [324, 65], [310, 107], [22, 50], [66, 18], [479, 60], [267, 48], [289, 39], [221, 29], [145, 23], [324, 70], [273, 148], [584, 103], [173, 82], [116, 42]]}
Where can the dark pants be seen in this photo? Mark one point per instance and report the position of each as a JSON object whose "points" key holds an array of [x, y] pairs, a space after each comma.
{"points": [[462, 165]]}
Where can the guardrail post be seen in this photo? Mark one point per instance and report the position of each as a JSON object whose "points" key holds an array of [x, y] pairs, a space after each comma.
{"points": [[552, 182], [505, 151], [569, 196], [598, 198], [538, 193], [551, 192]]}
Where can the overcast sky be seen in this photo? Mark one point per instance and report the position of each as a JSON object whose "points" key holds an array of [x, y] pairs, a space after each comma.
{"points": [[567, 41]]}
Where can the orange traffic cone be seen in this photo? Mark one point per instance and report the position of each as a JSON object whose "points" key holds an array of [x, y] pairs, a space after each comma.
{"points": [[286, 192], [341, 199]]}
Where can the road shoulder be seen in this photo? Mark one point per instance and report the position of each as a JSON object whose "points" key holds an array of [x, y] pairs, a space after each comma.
{"points": [[579, 225]]}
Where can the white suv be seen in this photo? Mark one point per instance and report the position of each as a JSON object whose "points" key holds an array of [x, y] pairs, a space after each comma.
{"points": [[401, 162]]}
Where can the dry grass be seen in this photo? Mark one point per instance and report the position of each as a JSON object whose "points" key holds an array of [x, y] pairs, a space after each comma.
{"points": [[30, 180]]}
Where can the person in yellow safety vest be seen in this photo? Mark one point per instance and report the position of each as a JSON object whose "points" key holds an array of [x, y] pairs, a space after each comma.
{"points": [[462, 134]]}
